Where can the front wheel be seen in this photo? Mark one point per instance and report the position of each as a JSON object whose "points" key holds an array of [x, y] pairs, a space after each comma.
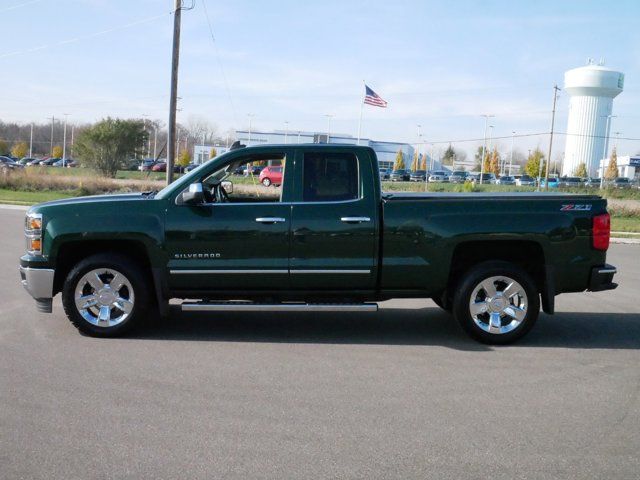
{"points": [[105, 295], [496, 302], [266, 182]]}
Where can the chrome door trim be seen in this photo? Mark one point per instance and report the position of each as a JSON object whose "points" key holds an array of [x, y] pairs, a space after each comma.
{"points": [[355, 219], [270, 220], [332, 272], [224, 272]]}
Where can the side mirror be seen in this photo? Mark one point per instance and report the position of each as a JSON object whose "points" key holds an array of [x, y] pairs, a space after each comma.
{"points": [[228, 186], [195, 194]]}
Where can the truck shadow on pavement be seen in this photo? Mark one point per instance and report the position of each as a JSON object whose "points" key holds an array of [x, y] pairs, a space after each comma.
{"points": [[389, 326]]}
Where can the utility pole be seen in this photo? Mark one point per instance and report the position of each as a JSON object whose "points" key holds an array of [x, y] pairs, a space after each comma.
{"points": [[31, 142], [553, 119], [53, 119], [484, 144], [64, 141], [329, 116], [606, 148], [71, 146], [513, 134], [155, 141], [286, 131], [173, 97]]}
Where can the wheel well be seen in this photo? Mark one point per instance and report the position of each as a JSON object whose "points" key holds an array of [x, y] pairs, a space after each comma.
{"points": [[73, 252], [526, 254]]}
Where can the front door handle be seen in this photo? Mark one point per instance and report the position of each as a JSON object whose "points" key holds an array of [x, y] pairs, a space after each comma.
{"points": [[270, 220], [355, 219]]}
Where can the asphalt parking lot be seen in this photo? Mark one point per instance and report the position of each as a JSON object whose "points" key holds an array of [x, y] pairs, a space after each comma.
{"points": [[401, 393]]}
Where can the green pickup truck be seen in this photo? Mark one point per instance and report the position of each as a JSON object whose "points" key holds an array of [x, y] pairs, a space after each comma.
{"points": [[327, 239]]}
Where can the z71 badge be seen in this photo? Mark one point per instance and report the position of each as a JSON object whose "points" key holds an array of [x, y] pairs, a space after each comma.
{"points": [[582, 207]]}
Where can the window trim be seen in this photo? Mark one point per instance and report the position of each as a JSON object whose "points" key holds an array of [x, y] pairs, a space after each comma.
{"points": [[359, 194]]}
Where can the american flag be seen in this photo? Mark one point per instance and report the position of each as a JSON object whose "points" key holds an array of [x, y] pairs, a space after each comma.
{"points": [[372, 98]]}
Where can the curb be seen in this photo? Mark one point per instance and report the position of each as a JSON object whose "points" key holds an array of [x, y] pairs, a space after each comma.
{"points": [[626, 241], [8, 206]]}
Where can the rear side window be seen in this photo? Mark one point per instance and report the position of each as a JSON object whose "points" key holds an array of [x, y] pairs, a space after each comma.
{"points": [[330, 177]]}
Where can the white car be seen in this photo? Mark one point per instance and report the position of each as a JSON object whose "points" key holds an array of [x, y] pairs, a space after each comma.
{"points": [[526, 181], [438, 176]]}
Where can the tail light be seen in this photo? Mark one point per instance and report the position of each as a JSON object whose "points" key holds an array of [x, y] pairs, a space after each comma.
{"points": [[601, 231]]}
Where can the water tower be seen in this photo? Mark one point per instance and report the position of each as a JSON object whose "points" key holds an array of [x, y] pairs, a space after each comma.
{"points": [[592, 89]]}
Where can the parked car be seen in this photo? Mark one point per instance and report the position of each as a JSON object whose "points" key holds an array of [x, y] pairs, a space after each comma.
{"points": [[553, 182], [418, 176], [506, 180], [385, 173], [252, 170], [7, 163], [621, 182], [458, 176], [571, 182], [191, 166], [271, 175], [592, 182], [239, 170], [400, 176], [36, 161], [335, 244], [26, 161], [526, 181], [159, 167], [438, 176], [485, 179], [49, 161], [69, 162], [147, 165]]}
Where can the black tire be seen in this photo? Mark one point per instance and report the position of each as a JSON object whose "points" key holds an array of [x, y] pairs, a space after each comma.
{"points": [[472, 279], [133, 274], [266, 182]]}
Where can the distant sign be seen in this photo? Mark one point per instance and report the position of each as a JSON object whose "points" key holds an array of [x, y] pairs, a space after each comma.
{"points": [[634, 162]]}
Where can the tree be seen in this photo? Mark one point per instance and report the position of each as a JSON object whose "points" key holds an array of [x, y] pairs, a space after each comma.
{"points": [[415, 164], [56, 152], [184, 158], [399, 163], [108, 143], [20, 149], [581, 170], [532, 167], [213, 153], [4, 148], [423, 161], [612, 169], [449, 156], [492, 162]]}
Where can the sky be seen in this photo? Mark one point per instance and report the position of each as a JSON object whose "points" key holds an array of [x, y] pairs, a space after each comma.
{"points": [[439, 64]]}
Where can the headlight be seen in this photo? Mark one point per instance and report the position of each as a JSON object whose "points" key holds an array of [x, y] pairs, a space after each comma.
{"points": [[33, 233]]}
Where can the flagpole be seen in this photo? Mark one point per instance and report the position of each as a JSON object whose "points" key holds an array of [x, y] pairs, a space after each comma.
{"points": [[361, 108]]}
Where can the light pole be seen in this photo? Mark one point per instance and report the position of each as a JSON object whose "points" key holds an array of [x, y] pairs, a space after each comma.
{"points": [[155, 140], [329, 116], [250, 115], [484, 144], [144, 120], [286, 131], [418, 146], [606, 147], [64, 141], [71, 146], [52, 118], [513, 134], [31, 142]]}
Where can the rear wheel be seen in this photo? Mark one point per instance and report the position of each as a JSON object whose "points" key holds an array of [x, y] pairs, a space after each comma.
{"points": [[105, 295], [266, 182], [496, 302]]}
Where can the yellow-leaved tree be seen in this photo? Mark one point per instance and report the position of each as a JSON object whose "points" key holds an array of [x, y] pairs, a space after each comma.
{"points": [[532, 167], [399, 163], [56, 152], [20, 149], [213, 153], [612, 169], [184, 158], [415, 164], [581, 170]]}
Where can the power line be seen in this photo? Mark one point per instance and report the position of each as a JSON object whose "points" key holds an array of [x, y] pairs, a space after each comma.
{"points": [[85, 37], [224, 76]]}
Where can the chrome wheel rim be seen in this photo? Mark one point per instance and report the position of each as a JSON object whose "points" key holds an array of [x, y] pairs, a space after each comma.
{"points": [[498, 305], [104, 297]]}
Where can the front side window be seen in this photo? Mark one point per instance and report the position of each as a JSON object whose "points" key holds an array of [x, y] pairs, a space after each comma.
{"points": [[330, 177], [255, 178]]}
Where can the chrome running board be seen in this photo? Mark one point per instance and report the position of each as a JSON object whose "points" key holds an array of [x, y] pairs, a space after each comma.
{"points": [[278, 307]]}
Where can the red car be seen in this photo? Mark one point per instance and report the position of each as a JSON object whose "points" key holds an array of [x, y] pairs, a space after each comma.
{"points": [[271, 176]]}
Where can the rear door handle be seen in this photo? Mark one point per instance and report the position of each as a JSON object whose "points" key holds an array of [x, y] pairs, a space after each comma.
{"points": [[355, 219], [270, 220]]}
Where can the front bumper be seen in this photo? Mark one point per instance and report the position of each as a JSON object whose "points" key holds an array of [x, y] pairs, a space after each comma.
{"points": [[602, 278], [39, 283]]}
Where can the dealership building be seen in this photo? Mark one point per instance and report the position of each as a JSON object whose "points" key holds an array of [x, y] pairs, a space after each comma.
{"points": [[628, 166]]}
